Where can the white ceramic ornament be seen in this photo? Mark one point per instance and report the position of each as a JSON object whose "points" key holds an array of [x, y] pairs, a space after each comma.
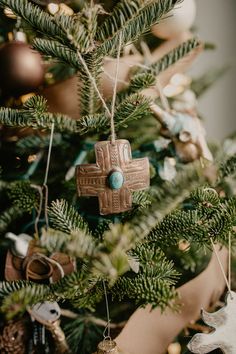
{"points": [[21, 244], [223, 337], [180, 19], [45, 312]]}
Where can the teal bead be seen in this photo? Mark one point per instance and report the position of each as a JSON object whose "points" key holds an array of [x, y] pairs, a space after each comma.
{"points": [[116, 180]]}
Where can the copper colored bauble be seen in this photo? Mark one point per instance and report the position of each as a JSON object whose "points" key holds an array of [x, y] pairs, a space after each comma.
{"points": [[21, 69], [187, 152]]}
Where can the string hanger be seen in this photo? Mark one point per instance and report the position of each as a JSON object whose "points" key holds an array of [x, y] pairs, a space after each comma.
{"points": [[107, 330], [93, 81], [43, 190]]}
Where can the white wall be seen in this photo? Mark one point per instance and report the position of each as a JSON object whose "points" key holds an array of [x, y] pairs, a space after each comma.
{"points": [[216, 22]]}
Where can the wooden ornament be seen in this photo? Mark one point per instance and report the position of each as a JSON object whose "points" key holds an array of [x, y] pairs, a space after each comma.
{"points": [[223, 337], [114, 176], [38, 268]]}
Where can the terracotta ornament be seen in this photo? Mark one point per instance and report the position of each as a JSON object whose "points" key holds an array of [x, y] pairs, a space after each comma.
{"points": [[114, 176], [37, 267], [223, 337]]}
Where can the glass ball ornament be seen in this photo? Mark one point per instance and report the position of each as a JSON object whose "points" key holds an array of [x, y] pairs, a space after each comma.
{"points": [[21, 69], [178, 20]]}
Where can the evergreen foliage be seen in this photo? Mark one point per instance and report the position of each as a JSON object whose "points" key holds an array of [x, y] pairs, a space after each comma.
{"points": [[131, 252]]}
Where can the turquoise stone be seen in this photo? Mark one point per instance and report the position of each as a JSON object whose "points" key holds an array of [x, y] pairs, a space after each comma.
{"points": [[116, 180]]}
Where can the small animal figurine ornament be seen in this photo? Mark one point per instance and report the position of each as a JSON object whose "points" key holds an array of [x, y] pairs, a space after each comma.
{"points": [[186, 128], [223, 337], [114, 176], [47, 314]]}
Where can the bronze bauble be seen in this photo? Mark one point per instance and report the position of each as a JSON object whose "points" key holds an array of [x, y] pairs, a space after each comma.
{"points": [[21, 69]]}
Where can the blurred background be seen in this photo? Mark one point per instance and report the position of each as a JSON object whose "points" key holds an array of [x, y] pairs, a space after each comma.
{"points": [[216, 23]]}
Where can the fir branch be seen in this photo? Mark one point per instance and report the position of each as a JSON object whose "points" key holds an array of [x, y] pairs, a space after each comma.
{"points": [[130, 20], [166, 198], [172, 57], [17, 302], [85, 27], [23, 195], [145, 78], [141, 199], [76, 287], [8, 287], [198, 225], [57, 50], [36, 143], [206, 196], [54, 240], [76, 244], [228, 168], [8, 216], [88, 97], [145, 290], [82, 334], [26, 118], [65, 218], [36, 103], [180, 225], [111, 259], [132, 108], [93, 123], [141, 81], [153, 262]]}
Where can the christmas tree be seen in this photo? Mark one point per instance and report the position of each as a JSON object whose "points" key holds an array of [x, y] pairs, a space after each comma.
{"points": [[116, 214]]}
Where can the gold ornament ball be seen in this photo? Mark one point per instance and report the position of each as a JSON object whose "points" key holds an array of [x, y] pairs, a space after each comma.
{"points": [[21, 69], [187, 152], [179, 20], [107, 346]]}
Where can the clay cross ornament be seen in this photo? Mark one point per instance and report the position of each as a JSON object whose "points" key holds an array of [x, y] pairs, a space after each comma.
{"points": [[114, 176], [224, 335]]}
